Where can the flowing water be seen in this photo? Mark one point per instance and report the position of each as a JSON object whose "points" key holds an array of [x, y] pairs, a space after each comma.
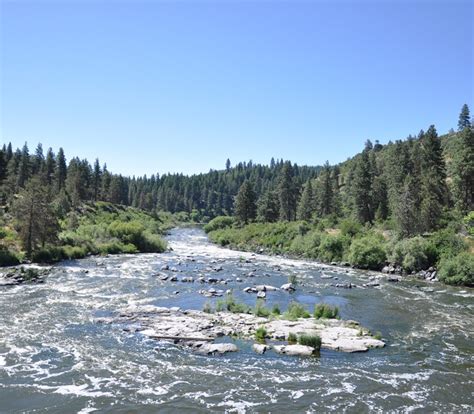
{"points": [[56, 356]]}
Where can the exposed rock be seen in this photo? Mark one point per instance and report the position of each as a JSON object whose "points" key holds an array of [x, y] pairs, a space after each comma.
{"points": [[372, 284], [207, 348], [260, 348], [393, 279], [187, 327], [288, 287], [294, 350], [165, 267], [261, 295], [173, 279], [187, 279]]}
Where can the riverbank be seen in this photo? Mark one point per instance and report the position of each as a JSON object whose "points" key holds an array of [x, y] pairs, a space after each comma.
{"points": [[443, 256]]}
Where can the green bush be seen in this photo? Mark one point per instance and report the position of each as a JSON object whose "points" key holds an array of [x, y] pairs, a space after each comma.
{"points": [[413, 254], [313, 341], [74, 252], [218, 223], [276, 310], [350, 227], [458, 270], [323, 310], [447, 243], [229, 304], [48, 254], [469, 223], [8, 258], [332, 247], [260, 334], [368, 252], [292, 339], [295, 311], [261, 310]]}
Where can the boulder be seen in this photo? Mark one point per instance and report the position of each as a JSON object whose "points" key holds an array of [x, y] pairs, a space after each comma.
{"points": [[211, 349], [294, 350], [260, 348], [288, 287], [261, 295]]}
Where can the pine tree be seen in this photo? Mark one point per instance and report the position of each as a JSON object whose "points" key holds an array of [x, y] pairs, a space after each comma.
{"points": [[245, 207], [35, 218], [24, 170], [326, 193], [464, 118], [407, 212], [362, 189], [268, 208], [306, 204], [97, 180], [433, 180], [61, 170], [227, 165], [287, 193], [462, 171], [50, 165]]}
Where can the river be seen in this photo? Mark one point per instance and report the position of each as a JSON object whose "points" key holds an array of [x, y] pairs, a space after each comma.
{"points": [[56, 356]]}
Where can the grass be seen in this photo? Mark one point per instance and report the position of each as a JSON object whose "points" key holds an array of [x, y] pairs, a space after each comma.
{"points": [[229, 304], [295, 311], [207, 308], [313, 341], [260, 335], [292, 338], [325, 311], [261, 310]]}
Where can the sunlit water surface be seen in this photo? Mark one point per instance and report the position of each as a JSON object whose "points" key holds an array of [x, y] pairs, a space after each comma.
{"points": [[57, 357]]}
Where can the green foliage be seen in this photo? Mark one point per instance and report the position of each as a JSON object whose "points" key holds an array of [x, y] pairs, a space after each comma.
{"points": [[229, 304], [261, 310], [413, 254], [350, 227], [447, 243], [260, 334], [292, 338], [378, 335], [332, 247], [295, 311], [368, 252], [469, 223], [218, 223], [458, 270], [8, 258], [207, 308], [313, 341], [276, 310], [323, 310], [245, 203]]}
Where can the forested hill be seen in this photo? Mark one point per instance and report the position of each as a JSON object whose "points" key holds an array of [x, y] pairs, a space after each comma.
{"points": [[419, 174], [409, 187]]}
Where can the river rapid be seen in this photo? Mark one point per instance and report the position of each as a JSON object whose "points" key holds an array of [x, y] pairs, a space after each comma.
{"points": [[57, 357]]}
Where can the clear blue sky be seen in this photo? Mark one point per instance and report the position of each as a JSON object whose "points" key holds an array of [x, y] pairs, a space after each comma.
{"points": [[152, 86]]}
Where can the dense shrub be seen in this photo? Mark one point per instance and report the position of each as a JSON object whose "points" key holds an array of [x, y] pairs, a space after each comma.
{"points": [[295, 311], [323, 310], [260, 334], [368, 252], [276, 310], [332, 247], [447, 243], [313, 341], [218, 223], [413, 254], [458, 270], [8, 258], [350, 227], [49, 254]]}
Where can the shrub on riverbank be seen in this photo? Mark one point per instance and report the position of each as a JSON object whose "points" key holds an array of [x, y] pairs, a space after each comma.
{"points": [[368, 252], [368, 248], [218, 223], [8, 258], [458, 270], [260, 335]]}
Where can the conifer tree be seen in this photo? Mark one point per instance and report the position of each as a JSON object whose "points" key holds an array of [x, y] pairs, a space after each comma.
{"points": [[61, 170], [245, 207], [464, 118], [268, 208], [287, 193], [462, 171], [362, 189], [306, 204]]}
